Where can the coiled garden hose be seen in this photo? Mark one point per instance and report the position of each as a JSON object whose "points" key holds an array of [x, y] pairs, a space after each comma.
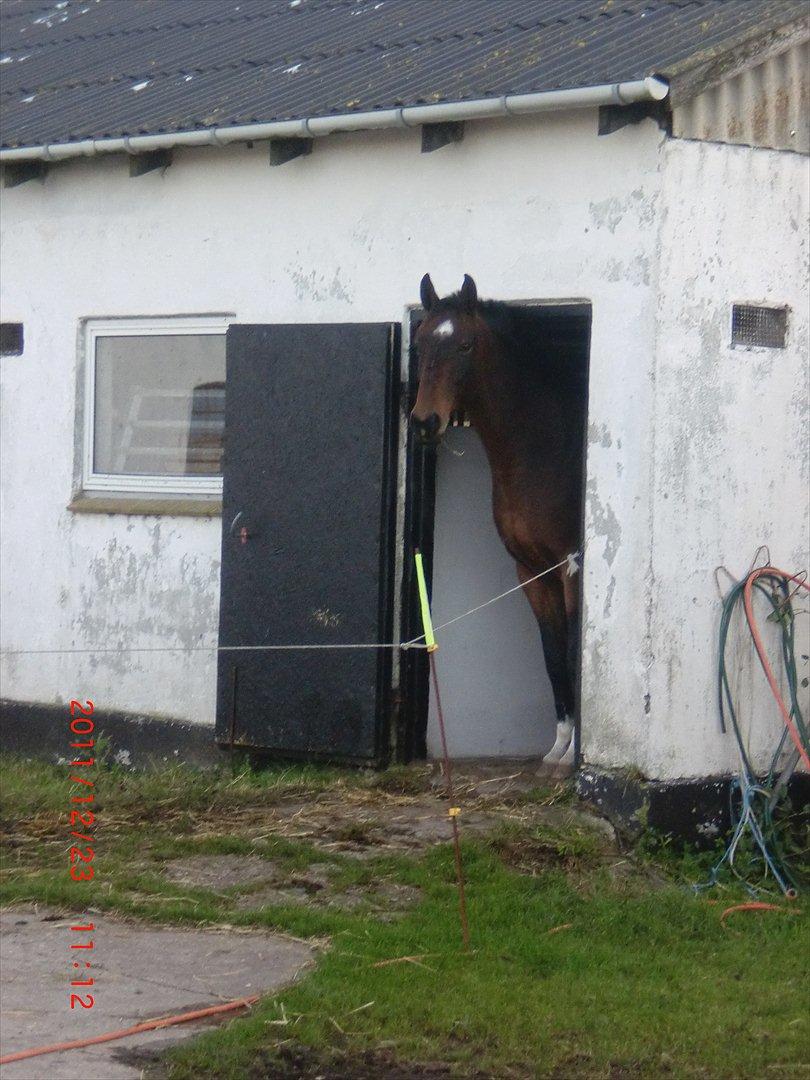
{"points": [[754, 801]]}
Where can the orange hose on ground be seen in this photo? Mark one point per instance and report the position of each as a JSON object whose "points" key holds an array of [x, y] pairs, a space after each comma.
{"points": [[148, 1025], [764, 571], [756, 905]]}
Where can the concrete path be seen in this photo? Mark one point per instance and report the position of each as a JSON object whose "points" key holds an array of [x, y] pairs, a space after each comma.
{"points": [[140, 972]]}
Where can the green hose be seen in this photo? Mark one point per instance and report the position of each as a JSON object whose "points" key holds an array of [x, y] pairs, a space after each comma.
{"points": [[755, 802]]}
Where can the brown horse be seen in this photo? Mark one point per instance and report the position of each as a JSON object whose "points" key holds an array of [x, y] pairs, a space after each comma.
{"points": [[528, 404]]}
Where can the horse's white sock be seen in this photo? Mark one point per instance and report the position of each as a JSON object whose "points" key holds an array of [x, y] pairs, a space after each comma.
{"points": [[568, 756], [563, 743]]}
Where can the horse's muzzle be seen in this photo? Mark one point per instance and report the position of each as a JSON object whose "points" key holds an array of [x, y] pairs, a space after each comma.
{"points": [[427, 430]]}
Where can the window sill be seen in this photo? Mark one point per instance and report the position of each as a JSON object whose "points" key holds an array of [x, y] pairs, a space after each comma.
{"points": [[110, 502]]}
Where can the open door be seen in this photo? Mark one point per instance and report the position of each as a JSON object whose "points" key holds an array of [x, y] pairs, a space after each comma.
{"points": [[308, 537], [494, 684]]}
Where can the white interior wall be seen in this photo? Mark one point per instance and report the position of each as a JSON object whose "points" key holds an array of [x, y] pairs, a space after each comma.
{"points": [[538, 208], [496, 695]]}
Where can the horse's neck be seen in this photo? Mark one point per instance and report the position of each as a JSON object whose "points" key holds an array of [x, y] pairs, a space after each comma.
{"points": [[504, 416]]}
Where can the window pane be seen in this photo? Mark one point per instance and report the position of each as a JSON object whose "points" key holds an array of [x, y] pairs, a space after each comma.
{"points": [[160, 405]]}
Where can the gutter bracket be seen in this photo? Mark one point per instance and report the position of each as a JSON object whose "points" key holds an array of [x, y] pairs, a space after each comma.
{"points": [[284, 150], [140, 164], [435, 136], [20, 172], [615, 117]]}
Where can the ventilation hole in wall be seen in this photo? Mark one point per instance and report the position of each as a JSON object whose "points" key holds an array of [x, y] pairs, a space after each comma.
{"points": [[762, 326], [11, 338]]}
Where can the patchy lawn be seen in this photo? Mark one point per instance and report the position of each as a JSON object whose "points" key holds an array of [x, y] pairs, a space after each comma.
{"points": [[587, 961]]}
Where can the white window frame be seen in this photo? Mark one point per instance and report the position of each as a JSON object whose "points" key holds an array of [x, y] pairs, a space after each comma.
{"points": [[146, 327]]}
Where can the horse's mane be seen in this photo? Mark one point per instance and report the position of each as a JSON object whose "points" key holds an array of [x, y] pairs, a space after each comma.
{"points": [[550, 342]]}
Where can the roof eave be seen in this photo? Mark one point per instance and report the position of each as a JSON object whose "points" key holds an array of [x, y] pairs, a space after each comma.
{"points": [[652, 88]]}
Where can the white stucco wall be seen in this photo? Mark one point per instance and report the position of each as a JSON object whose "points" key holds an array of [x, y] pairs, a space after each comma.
{"points": [[728, 461], [532, 208], [731, 455]]}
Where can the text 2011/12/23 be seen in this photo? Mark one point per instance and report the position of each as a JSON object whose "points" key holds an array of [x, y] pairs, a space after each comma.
{"points": [[82, 821]]}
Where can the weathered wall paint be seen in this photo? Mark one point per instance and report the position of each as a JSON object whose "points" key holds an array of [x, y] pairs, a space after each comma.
{"points": [[731, 446], [533, 209]]}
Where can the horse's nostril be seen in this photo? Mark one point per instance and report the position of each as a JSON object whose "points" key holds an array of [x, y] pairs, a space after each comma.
{"points": [[428, 428]]}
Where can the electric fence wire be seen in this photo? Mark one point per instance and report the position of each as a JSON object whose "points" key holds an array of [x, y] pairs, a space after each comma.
{"points": [[571, 562], [753, 802]]}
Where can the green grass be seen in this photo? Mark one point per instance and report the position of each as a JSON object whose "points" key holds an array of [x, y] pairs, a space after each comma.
{"points": [[642, 981], [638, 986]]}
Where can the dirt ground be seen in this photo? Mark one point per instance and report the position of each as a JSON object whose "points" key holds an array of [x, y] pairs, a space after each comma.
{"points": [[263, 882], [363, 822]]}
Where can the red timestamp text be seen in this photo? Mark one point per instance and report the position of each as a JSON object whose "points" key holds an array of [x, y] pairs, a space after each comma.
{"points": [[82, 821]]}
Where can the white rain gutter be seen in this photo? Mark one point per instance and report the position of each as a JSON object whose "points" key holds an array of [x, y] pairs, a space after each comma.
{"points": [[650, 89]]}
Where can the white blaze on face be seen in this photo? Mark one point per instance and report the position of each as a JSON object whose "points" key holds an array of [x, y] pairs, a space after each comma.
{"points": [[444, 329]]}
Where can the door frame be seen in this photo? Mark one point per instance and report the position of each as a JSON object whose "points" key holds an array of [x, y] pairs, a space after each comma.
{"points": [[415, 528], [416, 506]]}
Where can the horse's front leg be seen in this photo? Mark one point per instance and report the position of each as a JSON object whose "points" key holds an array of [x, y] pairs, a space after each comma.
{"points": [[570, 586], [547, 598]]}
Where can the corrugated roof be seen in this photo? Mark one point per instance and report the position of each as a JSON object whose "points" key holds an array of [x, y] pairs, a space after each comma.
{"points": [[78, 69]]}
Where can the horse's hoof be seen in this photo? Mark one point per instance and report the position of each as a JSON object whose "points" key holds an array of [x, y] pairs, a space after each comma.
{"points": [[562, 770], [554, 770]]}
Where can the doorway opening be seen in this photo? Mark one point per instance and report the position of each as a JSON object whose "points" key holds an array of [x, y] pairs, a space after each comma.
{"points": [[495, 690]]}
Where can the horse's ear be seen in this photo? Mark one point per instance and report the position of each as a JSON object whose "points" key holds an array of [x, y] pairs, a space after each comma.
{"points": [[468, 294], [427, 293]]}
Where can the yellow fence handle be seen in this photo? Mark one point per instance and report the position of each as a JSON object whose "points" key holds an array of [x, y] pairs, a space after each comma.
{"points": [[427, 622]]}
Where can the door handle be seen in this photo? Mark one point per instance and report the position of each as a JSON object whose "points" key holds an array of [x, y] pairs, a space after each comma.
{"points": [[239, 530]]}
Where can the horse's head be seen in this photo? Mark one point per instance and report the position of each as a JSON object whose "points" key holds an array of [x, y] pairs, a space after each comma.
{"points": [[445, 343]]}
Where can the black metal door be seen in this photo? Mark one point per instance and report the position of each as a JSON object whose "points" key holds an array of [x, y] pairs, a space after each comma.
{"points": [[308, 522]]}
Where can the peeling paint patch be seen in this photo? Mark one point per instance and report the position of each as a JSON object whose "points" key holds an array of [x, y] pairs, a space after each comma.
{"points": [[142, 597], [636, 271], [604, 523], [10, 666], [696, 402], [609, 213], [313, 286], [609, 597], [599, 434]]}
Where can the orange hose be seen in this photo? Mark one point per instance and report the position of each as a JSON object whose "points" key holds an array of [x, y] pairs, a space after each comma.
{"points": [[756, 905], [148, 1025], [764, 571]]}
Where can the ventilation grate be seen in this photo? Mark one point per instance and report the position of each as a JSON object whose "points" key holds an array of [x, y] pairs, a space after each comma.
{"points": [[11, 339], [765, 327]]}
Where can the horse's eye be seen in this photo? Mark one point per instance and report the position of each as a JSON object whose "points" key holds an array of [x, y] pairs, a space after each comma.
{"points": [[466, 346]]}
